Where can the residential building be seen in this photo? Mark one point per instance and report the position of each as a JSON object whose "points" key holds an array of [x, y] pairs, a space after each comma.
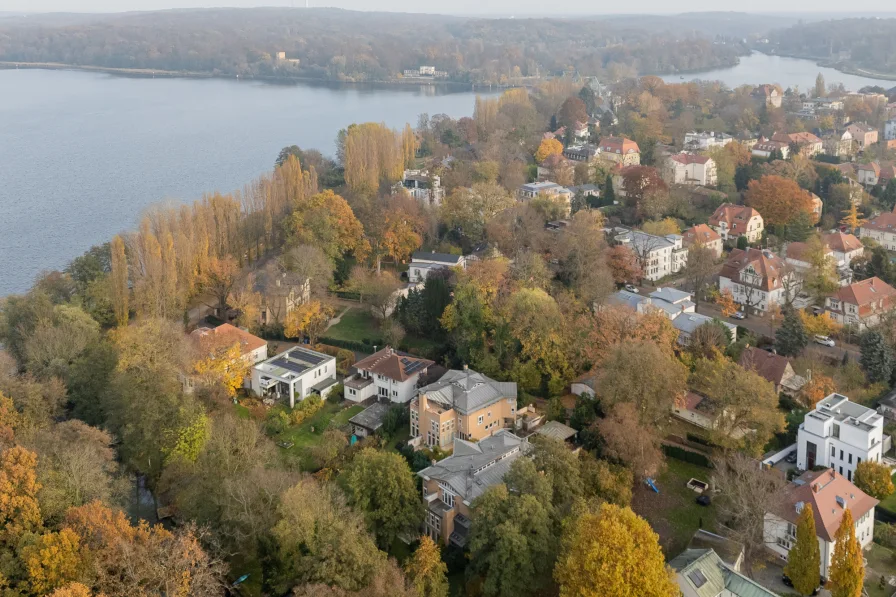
{"points": [[822, 104], [732, 221], [840, 434], [809, 144], [677, 305], [695, 141], [690, 168], [370, 420], [864, 134], [829, 494], [583, 385], [862, 303], [582, 153], [555, 166], [887, 407], [756, 278], [387, 375], [702, 573], [798, 258], [881, 228], [845, 247], [773, 367], [731, 552], [294, 375], [462, 404], [281, 295], [587, 190], [765, 149], [423, 186], [817, 206], [426, 72], [875, 173], [210, 340], [687, 324], [770, 94], [451, 485], [423, 263], [890, 130], [620, 151], [659, 256], [557, 430], [838, 144], [546, 189], [701, 234]]}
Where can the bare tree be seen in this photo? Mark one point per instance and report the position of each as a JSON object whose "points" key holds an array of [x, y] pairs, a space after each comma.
{"points": [[700, 269]]}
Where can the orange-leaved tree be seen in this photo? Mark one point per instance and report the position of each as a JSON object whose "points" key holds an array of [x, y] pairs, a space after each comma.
{"points": [[726, 303], [778, 200]]}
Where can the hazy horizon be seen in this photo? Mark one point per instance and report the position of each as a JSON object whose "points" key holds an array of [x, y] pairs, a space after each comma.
{"points": [[494, 7]]}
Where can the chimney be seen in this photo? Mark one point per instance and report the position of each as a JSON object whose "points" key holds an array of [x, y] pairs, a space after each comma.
{"points": [[815, 488]]}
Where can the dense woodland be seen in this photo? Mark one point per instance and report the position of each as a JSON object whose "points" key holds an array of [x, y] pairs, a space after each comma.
{"points": [[866, 43], [342, 45], [92, 392]]}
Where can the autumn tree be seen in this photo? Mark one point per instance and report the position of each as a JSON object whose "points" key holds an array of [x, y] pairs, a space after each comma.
{"points": [[548, 147], [309, 319], [426, 571], [816, 389], [571, 113], [700, 269], [851, 218], [54, 560], [9, 421], [804, 559], [326, 221], [381, 485], [222, 364], [373, 154], [598, 546], [874, 478], [847, 571], [219, 279], [644, 457], [119, 276], [512, 545], [778, 199], [616, 325], [821, 279], [623, 264], [19, 508], [468, 210]]}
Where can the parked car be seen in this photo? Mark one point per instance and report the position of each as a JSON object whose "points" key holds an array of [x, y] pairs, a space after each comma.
{"points": [[631, 288], [786, 580], [824, 341], [739, 315], [704, 500], [791, 458]]}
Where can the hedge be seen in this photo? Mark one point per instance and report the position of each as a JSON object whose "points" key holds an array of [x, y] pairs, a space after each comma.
{"points": [[350, 344], [687, 456]]}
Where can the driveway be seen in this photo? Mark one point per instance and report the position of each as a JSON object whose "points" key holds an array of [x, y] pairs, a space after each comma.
{"points": [[770, 578]]}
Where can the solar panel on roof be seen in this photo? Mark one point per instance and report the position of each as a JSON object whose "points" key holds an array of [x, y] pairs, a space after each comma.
{"points": [[290, 366], [304, 355]]}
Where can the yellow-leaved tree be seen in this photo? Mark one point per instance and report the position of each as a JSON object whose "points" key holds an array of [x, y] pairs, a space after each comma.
{"points": [[426, 571], [548, 147], [726, 303], [54, 560], [224, 365], [613, 553], [847, 571], [310, 320]]}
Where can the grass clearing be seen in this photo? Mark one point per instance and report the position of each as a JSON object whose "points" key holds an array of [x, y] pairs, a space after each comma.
{"points": [[890, 502], [341, 418], [310, 432], [357, 324], [673, 512]]}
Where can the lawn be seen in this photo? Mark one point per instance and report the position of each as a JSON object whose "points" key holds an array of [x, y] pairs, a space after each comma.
{"points": [[359, 325], [309, 432], [673, 512], [890, 502]]}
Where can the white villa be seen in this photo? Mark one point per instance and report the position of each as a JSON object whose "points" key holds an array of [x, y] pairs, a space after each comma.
{"points": [[386, 375], [294, 375]]}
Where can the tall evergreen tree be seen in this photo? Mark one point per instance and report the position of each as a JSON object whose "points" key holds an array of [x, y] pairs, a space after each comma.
{"points": [[877, 357], [847, 566], [791, 338], [804, 560], [888, 197], [609, 193]]}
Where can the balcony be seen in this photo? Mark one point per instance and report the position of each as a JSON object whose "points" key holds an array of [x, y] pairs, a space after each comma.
{"points": [[461, 521], [358, 383]]}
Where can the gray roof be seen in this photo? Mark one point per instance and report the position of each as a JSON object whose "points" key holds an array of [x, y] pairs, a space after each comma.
{"points": [[467, 391], [701, 573], [371, 417], [630, 299], [729, 551], [474, 467], [671, 295], [688, 322], [644, 241], [556, 430], [433, 256]]}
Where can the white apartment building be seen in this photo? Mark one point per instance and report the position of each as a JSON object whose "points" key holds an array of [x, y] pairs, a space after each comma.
{"points": [[755, 278], [386, 375], [658, 256], [890, 130], [690, 168], [695, 141], [425, 262], [881, 228], [840, 434], [294, 375], [828, 494]]}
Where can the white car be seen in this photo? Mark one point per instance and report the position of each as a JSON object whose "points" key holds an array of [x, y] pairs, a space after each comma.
{"points": [[738, 315], [631, 288], [824, 341]]}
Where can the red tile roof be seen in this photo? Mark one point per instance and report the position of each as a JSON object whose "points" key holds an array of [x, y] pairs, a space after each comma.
{"points": [[797, 250], [392, 364], [885, 222], [820, 491], [701, 233], [841, 243], [798, 138], [733, 214], [618, 145], [226, 335], [866, 293], [768, 266]]}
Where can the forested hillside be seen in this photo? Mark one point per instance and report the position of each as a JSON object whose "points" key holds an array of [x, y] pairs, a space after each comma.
{"points": [[343, 45]]}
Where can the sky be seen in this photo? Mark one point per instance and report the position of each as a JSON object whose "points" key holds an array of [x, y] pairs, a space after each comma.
{"points": [[493, 7]]}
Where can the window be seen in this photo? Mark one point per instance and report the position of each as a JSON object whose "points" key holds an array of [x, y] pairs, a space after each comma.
{"points": [[858, 460], [480, 420], [833, 452], [850, 458], [849, 475], [841, 454]]}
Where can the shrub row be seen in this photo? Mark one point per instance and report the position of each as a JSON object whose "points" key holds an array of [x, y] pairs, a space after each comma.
{"points": [[687, 456]]}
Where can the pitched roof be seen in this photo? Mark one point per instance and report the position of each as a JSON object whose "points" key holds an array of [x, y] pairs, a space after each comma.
{"points": [[474, 467], [766, 364], [618, 145], [797, 250], [770, 146], [226, 335], [841, 243], [865, 292], [433, 256], [768, 266], [395, 365], [556, 430], [701, 233], [862, 127], [467, 391], [702, 573], [798, 138], [828, 493], [689, 158], [372, 417], [732, 214], [885, 222]]}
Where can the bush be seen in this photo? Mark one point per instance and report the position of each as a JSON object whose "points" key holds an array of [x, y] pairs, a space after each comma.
{"points": [[276, 421], [337, 393], [397, 416], [306, 409], [687, 456], [885, 534], [365, 346]]}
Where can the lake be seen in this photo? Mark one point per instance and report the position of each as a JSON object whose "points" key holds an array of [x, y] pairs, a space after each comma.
{"points": [[82, 154], [758, 68]]}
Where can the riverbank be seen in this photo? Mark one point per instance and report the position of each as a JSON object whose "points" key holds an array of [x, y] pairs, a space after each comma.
{"points": [[839, 66], [141, 73]]}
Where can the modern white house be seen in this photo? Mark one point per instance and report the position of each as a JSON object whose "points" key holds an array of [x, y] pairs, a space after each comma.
{"points": [[294, 375], [829, 494], [756, 278], [423, 262], [658, 256], [840, 434], [388, 375], [695, 141]]}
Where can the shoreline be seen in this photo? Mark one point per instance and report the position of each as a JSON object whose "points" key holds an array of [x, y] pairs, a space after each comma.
{"points": [[142, 73], [846, 70]]}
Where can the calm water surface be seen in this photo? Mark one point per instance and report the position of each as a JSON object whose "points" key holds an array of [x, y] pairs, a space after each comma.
{"points": [[82, 154]]}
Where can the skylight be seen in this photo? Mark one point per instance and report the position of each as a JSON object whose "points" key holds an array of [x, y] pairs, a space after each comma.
{"points": [[696, 577]]}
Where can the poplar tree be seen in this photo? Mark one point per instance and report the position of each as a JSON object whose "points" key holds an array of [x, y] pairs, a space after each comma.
{"points": [[847, 566], [804, 561]]}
